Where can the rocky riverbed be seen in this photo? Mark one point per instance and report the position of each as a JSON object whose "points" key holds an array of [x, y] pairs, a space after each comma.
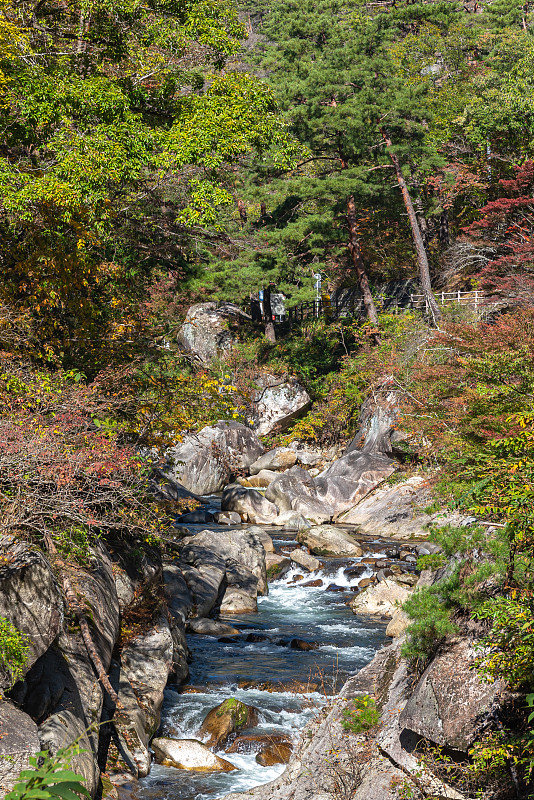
{"points": [[297, 649], [266, 599]]}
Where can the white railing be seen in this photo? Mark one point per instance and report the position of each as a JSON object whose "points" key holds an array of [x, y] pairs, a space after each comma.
{"points": [[473, 298]]}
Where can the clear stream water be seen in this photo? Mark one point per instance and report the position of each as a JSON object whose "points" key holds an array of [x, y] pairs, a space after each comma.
{"points": [[225, 669]]}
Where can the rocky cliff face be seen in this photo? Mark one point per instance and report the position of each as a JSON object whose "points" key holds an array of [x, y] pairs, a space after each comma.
{"points": [[61, 697], [448, 705]]}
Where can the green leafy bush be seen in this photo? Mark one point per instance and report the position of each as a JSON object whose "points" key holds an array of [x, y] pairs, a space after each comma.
{"points": [[361, 715], [432, 561], [13, 649], [508, 649], [52, 779]]}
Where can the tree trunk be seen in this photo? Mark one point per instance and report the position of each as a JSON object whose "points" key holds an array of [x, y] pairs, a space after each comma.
{"points": [[421, 221], [357, 260], [73, 604], [424, 269], [444, 229], [242, 212], [268, 312]]}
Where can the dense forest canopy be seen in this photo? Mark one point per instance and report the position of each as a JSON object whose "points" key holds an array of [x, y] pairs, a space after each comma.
{"points": [[159, 153]]}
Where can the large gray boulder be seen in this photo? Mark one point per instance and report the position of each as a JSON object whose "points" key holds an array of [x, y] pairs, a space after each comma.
{"points": [[277, 403], [349, 479], [277, 459], [212, 627], [305, 560], [204, 462], [377, 424], [204, 581], [249, 504], [18, 741], [384, 598], [146, 663], [238, 601], [296, 491], [29, 598], [329, 540], [397, 511], [450, 705], [224, 550], [189, 754], [205, 333]]}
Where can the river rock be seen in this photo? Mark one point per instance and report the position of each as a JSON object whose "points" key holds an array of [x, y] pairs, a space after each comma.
{"points": [[350, 478], [301, 644], [305, 560], [205, 333], [249, 742], [228, 717], [19, 740], [275, 753], [277, 403], [377, 424], [394, 511], [278, 459], [248, 503], [263, 536], [147, 662], [29, 598], [238, 601], [305, 455], [198, 516], [227, 518], [188, 754], [382, 598], [211, 627], [204, 583], [218, 548], [450, 705], [398, 624], [277, 565], [291, 521], [329, 540], [263, 479], [296, 491], [204, 462]]}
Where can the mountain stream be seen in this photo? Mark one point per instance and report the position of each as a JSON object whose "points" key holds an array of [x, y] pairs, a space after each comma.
{"points": [[250, 666]]}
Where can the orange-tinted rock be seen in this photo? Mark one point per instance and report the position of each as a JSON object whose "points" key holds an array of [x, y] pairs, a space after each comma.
{"points": [[228, 717], [276, 753], [252, 742]]}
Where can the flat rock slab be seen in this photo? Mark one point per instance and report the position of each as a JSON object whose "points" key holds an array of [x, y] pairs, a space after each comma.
{"points": [[450, 705], [305, 560], [328, 540], [384, 598], [189, 754], [279, 458]]}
